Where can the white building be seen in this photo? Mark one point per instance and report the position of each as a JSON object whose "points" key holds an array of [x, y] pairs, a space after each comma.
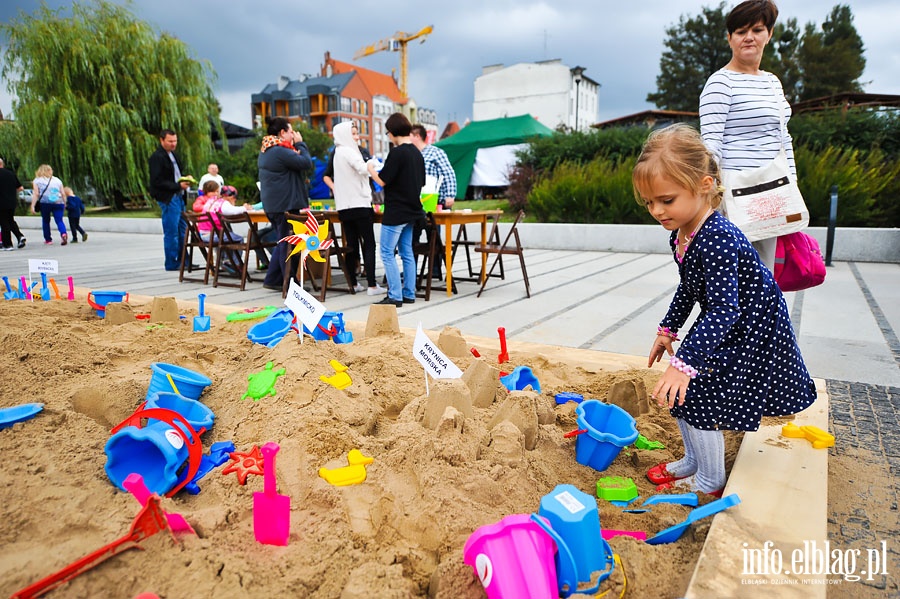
{"points": [[549, 91]]}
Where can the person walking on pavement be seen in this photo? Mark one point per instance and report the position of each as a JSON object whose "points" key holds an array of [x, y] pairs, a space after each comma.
{"points": [[283, 163], [47, 191], [10, 186], [167, 188]]}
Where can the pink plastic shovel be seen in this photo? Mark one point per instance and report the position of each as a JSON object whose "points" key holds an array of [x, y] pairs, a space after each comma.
{"points": [[271, 512], [134, 484]]}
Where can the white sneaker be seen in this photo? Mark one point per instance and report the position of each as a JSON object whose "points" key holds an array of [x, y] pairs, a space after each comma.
{"points": [[359, 288], [376, 290]]}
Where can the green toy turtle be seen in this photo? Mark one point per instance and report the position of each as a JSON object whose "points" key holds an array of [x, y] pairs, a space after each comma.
{"points": [[262, 383]]}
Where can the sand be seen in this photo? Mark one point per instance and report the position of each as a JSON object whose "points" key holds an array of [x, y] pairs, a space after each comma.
{"points": [[462, 457]]}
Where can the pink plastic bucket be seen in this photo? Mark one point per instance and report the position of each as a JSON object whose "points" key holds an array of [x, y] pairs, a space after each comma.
{"points": [[513, 559]]}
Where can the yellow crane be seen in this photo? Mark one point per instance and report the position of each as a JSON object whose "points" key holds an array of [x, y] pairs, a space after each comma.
{"points": [[396, 43]]}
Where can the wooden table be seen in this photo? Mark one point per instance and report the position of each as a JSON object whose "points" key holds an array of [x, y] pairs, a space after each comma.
{"points": [[445, 218]]}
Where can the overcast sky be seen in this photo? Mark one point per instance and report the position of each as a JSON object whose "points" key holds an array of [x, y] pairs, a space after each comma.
{"points": [[250, 44]]}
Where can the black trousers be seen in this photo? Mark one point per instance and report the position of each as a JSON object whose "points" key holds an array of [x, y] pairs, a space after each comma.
{"points": [[358, 225], [75, 227], [8, 226]]}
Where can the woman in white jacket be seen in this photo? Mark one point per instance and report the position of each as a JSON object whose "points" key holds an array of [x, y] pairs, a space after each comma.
{"points": [[353, 200]]}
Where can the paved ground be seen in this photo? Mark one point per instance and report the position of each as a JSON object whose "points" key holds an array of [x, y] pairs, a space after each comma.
{"points": [[612, 302]]}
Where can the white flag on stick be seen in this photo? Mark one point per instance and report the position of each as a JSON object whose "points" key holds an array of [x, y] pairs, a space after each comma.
{"points": [[432, 359]]}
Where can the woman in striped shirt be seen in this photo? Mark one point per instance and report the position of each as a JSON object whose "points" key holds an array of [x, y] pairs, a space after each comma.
{"points": [[741, 106]]}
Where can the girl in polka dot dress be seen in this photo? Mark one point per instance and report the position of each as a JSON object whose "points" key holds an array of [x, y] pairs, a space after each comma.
{"points": [[740, 360]]}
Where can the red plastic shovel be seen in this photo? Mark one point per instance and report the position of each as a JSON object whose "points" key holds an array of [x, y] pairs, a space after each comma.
{"points": [[149, 521], [134, 484], [271, 512]]}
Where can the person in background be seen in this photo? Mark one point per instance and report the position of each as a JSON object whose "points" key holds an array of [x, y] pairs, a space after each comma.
{"points": [[437, 165], [74, 210], [10, 186], [47, 191], [167, 188], [740, 360], [353, 201], [402, 177], [215, 204], [283, 163], [741, 106], [212, 173]]}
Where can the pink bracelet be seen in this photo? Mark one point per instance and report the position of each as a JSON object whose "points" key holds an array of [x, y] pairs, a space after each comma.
{"points": [[666, 332], [678, 364]]}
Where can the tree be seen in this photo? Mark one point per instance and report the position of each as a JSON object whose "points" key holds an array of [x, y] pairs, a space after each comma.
{"points": [[696, 48], [832, 59], [94, 90], [780, 58]]}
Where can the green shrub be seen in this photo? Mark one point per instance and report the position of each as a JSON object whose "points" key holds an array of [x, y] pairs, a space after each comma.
{"points": [[867, 190], [859, 129], [596, 192], [545, 153]]}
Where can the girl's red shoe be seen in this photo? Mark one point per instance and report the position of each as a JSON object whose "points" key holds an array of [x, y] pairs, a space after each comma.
{"points": [[658, 475], [672, 487]]}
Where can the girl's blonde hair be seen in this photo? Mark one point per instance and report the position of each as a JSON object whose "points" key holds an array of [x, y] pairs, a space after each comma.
{"points": [[44, 171], [678, 154]]}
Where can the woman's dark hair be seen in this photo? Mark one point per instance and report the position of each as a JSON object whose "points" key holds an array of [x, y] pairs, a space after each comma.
{"points": [[398, 125], [276, 125], [751, 12]]}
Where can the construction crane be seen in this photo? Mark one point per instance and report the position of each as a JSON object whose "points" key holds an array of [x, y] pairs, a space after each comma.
{"points": [[396, 43]]}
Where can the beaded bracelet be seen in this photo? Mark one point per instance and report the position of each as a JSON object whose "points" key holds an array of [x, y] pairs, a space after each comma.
{"points": [[666, 332], [678, 364]]}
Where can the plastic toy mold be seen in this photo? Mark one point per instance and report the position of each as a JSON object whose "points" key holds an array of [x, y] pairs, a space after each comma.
{"points": [[262, 383], [616, 488], [819, 438]]}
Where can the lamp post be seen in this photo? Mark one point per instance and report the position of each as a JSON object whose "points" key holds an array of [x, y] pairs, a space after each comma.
{"points": [[577, 73]]}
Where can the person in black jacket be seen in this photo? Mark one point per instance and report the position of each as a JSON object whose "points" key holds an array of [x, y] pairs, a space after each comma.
{"points": [[168, 190], [10, 186], [402, 177], [283, 163]]}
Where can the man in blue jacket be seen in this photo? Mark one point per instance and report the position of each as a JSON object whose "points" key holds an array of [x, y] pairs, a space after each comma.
{"points": [[283, 163]]}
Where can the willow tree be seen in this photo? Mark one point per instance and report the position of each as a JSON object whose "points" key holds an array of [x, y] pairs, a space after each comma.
{"points": [[92, 92]]}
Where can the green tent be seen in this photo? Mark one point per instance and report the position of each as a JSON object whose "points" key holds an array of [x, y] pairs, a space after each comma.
{"points": [[462, 147]]}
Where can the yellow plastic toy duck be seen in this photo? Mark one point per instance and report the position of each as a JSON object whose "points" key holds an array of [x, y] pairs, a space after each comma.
{"points": [[340, 379], [352, 474]]}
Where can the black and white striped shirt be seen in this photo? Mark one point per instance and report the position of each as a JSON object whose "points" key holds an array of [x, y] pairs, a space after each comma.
{"points": [[740, 120]]}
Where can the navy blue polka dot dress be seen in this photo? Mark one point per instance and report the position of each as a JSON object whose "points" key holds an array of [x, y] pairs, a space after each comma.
{"points": [[742, 342]]}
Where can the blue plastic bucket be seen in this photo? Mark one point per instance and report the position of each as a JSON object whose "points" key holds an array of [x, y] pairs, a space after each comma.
{"points": [[190, 384], [331, 326], [573, 515], [156, 452], [101, 298], [197, 415], [609, 429]]}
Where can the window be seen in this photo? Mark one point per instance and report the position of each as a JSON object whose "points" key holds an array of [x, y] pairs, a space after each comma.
{"points": [[363, 107], [345, 105], [355, 106]]}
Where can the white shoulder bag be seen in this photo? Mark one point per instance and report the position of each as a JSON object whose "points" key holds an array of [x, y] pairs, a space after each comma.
{"points": [[765, 202]]}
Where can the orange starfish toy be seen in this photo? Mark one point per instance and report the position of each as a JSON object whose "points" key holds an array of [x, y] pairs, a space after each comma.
{"points": [[245, 464]]}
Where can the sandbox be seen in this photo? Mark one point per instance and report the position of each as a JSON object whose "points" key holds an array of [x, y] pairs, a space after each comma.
{"points": [[444, 464]]}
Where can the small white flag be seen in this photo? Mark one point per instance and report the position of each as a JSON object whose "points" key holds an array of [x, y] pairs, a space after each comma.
{"points": [[304, 306], [432, 359], [39, 265]]}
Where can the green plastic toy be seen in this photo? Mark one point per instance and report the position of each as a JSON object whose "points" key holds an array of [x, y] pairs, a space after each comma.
{"points": [[262, 383], [643, 443], [616, 488]]}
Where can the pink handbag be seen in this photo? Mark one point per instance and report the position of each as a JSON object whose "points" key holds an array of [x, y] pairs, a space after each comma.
{"points": [[798, 262]]}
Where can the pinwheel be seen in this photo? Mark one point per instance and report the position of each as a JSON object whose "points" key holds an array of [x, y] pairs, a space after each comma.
{"points": [[308, 238]]}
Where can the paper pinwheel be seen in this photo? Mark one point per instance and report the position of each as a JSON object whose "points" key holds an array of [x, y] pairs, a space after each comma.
{"points": [[309, 238]]}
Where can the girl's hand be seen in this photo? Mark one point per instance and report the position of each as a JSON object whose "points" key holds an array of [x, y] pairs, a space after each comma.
{"points": [[673, 385], [660, 345]]}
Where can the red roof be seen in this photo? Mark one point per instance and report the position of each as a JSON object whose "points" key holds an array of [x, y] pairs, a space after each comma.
{"points": [[377, 83]]}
